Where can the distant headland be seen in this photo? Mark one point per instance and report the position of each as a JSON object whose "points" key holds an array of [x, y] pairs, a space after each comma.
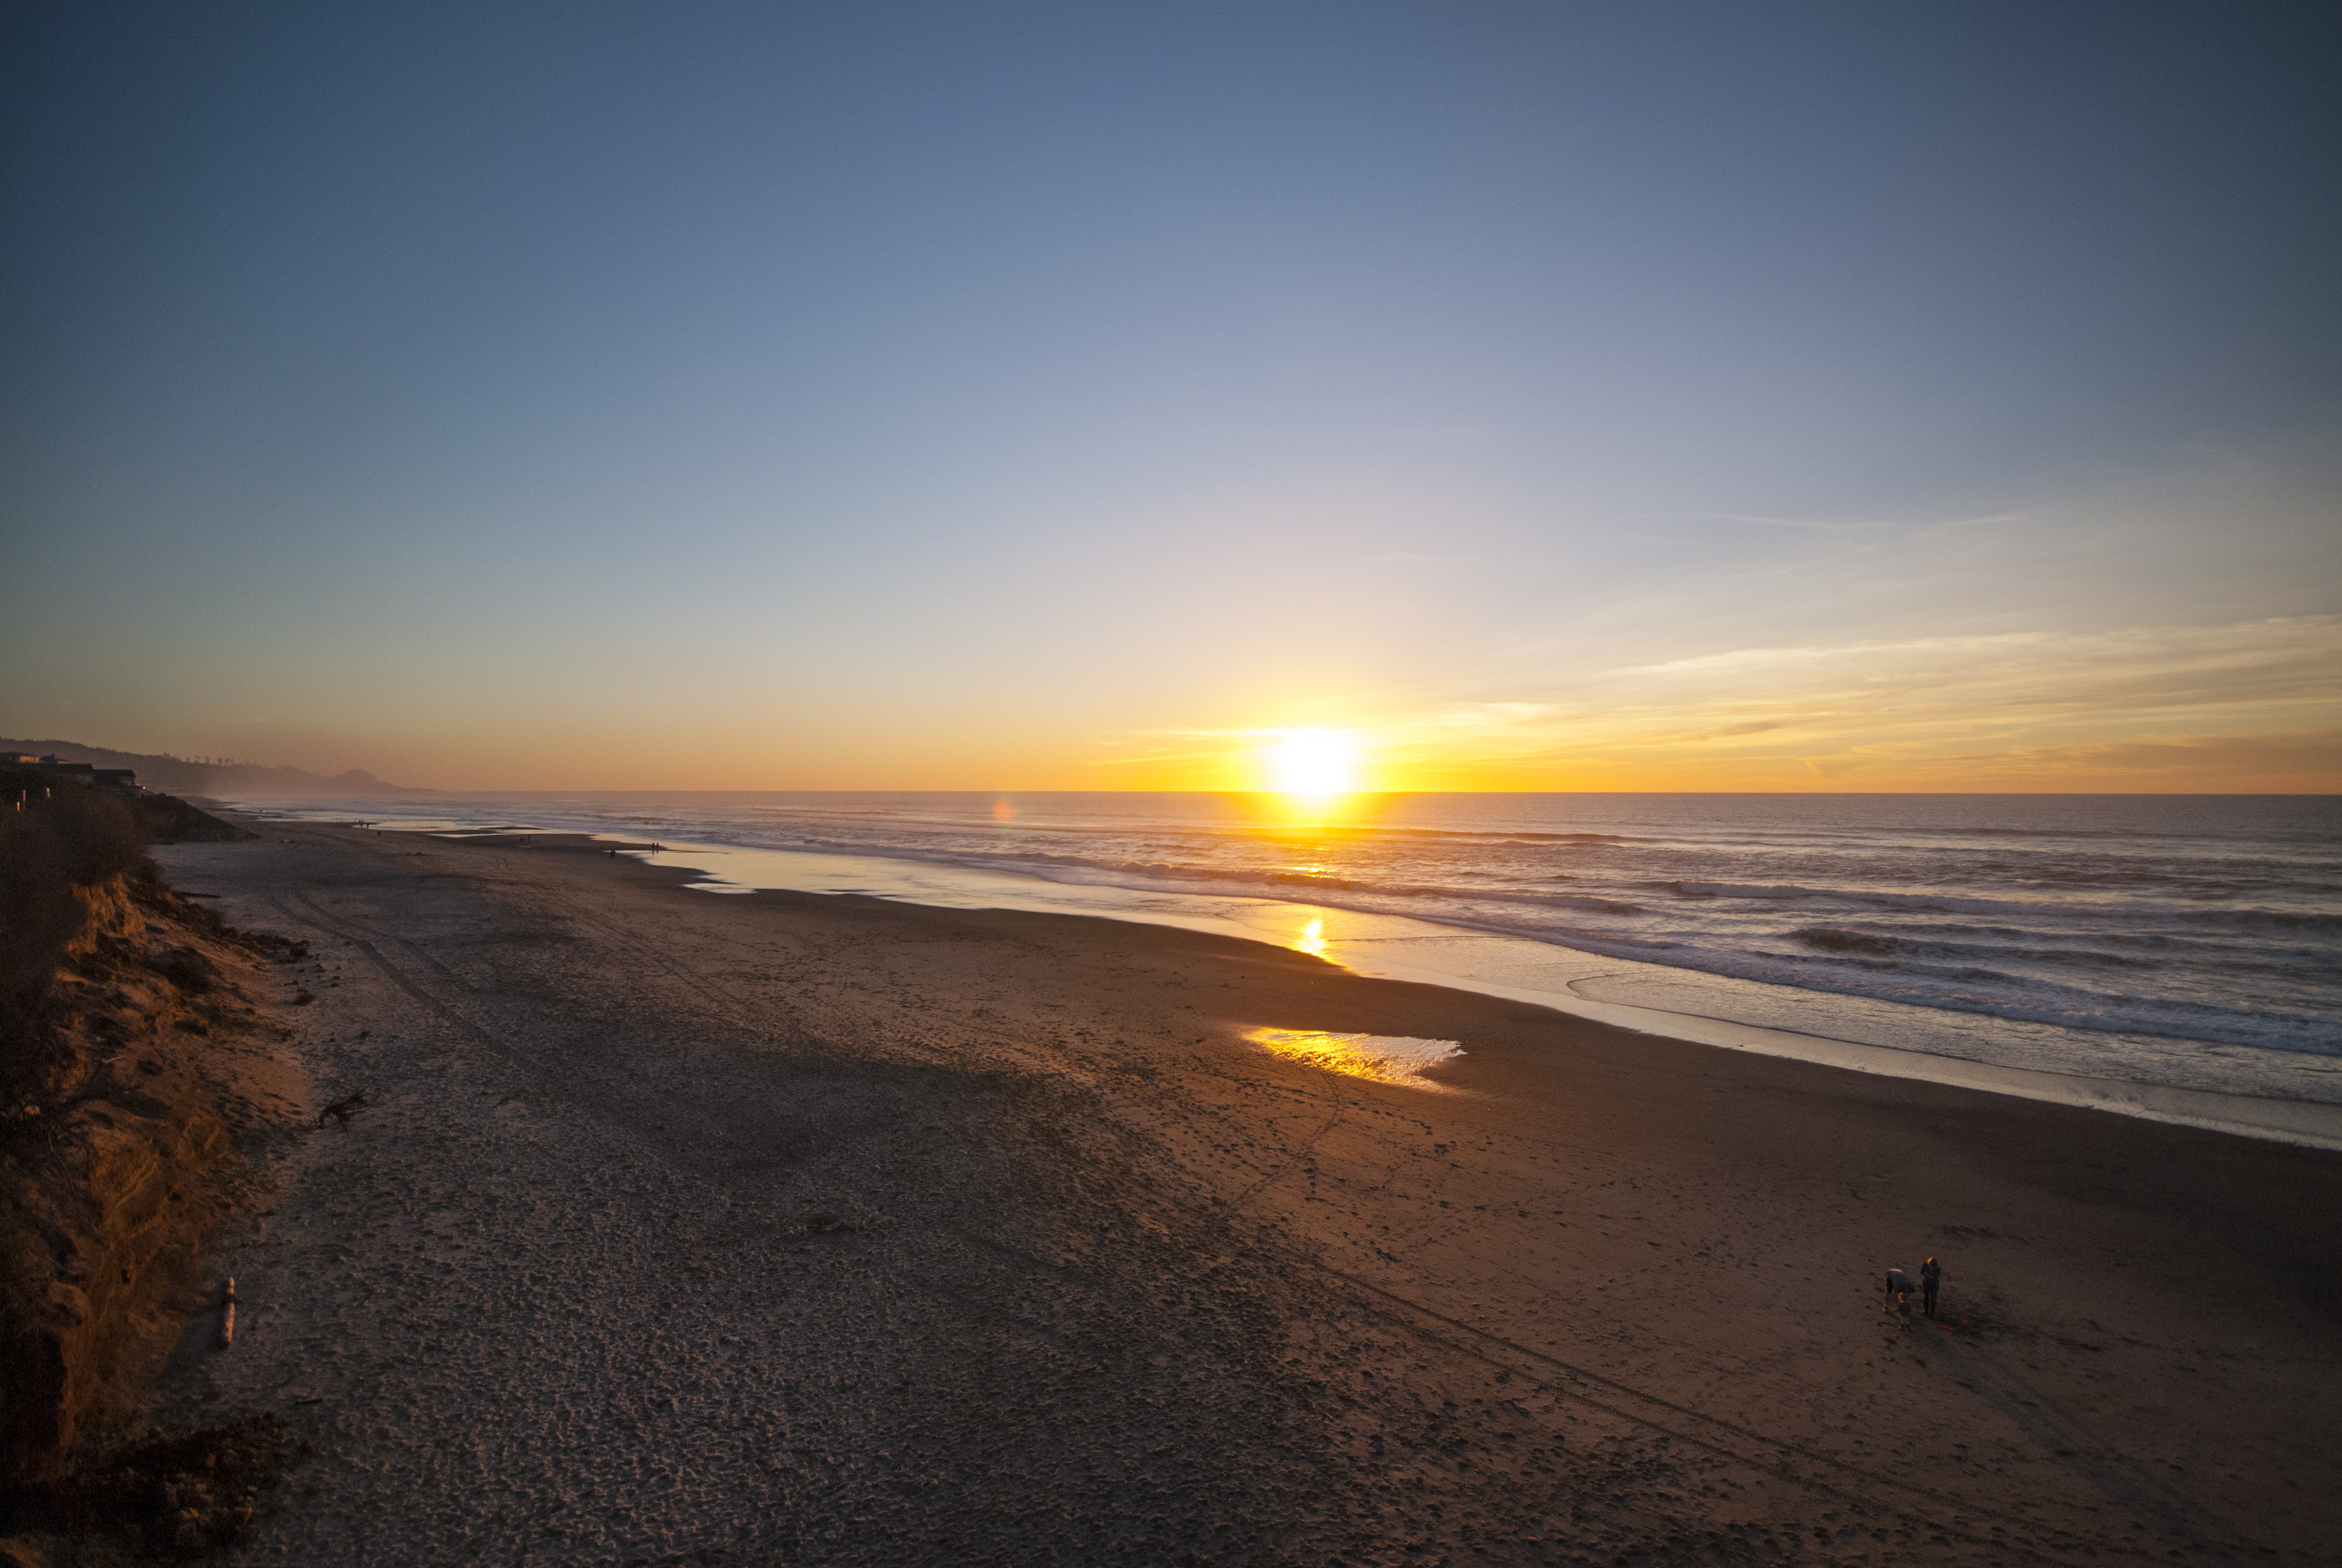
{"points": [[179, 775]]}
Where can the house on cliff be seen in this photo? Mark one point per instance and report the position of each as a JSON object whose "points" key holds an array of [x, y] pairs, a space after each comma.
{"points": [[51, 768]]}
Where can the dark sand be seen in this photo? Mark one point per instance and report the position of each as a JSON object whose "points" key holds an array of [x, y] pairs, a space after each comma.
{"points": [[789, 1229]]}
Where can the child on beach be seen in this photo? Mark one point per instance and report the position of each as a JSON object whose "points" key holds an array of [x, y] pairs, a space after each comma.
{"points": [[1898, 1294]]}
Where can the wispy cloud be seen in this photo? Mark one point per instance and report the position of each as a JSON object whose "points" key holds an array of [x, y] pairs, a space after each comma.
{"points": [[2306, 761], [1848, 526], [2257, 703]]}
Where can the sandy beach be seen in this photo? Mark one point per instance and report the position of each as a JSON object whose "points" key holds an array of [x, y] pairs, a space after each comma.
{"points": [[777, 1228]]}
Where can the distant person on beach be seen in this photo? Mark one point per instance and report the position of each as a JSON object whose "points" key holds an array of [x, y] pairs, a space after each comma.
{"points": [[1931, 1276]]}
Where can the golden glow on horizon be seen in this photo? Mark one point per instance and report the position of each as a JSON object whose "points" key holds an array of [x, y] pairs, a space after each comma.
{"points": [[2247, 707], [1315, 765]]}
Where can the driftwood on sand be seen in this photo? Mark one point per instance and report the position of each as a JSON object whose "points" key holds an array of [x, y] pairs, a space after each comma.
{"points": [[342, 1110]]}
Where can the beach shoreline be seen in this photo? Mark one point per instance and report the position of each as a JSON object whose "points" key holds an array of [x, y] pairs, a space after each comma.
{"points": [[927, 849], [2310, 1124], [817, 1228]]}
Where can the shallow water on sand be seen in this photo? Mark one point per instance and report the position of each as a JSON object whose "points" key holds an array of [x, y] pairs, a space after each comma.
{"points": [[1385, 1058]]}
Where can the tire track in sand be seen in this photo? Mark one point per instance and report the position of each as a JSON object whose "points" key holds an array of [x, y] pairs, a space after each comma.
{"points": [[1775, 1456]]}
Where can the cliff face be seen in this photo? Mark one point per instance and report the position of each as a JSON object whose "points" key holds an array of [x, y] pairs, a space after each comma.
{"points": [[138, 1131]]}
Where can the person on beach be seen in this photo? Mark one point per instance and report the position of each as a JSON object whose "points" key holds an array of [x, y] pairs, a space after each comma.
{"points": [[1899, 1295], [1931, 1276]]}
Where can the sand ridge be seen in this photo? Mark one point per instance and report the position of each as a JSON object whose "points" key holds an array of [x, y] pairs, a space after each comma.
{"points": [[780, 1228]]}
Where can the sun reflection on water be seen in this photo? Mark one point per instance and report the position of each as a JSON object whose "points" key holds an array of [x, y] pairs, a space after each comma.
{"points": [[1385, 1058], [1312, 939]]}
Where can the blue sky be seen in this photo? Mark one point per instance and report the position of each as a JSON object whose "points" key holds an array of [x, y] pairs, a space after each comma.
{"points": [[1074, 396]]}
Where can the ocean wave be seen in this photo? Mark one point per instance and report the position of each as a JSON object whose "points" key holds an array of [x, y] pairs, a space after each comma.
{"points": [[1837, 939], [1966, 973], [2138, 942], [1877, 898], [1995, 994], [2133, 912], [2271, 920], [1487, 836], [1587, 838], [1202, 831], [1285, 881], [2079, 834], [1830, 939]]}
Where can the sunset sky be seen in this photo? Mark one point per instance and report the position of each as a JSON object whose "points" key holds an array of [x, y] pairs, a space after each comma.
{"points": [[1551, 396]]}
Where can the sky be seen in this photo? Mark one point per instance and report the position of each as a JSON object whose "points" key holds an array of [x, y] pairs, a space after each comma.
{"points": [[1532, 396]]}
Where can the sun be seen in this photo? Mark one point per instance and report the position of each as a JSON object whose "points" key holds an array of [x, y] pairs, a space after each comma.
{"points": [[1315, 765]]}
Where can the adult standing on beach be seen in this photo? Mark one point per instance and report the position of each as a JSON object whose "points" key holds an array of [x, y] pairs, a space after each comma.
{"points": [[1931, 1275]]}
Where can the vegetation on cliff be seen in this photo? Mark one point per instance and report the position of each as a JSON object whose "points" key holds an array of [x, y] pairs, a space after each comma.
{"points": [[140, 1073]]}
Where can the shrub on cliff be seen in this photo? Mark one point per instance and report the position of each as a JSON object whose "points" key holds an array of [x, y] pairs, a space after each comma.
{"points": [[167, 819]]}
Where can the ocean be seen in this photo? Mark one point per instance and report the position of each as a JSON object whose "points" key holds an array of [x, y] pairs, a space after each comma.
{"points": [[2187, 942]]}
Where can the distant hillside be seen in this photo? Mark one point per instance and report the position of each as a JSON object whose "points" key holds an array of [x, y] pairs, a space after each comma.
{"points": [[180, 776]]}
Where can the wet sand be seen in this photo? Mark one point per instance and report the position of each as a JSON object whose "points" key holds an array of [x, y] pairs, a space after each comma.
{"points": [[779, 1228]]}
